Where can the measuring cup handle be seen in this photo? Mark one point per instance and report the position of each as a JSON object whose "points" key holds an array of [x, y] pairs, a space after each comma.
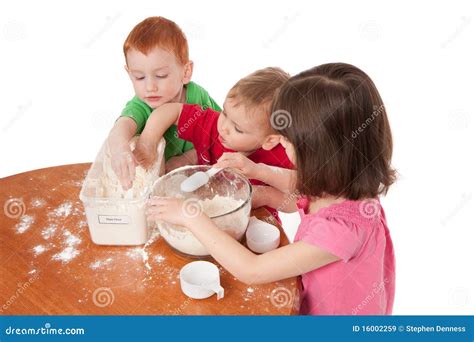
{"points": [[219, 290]]}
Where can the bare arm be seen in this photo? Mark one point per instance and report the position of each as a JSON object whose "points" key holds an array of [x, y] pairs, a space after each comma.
{"points": [[159, 121], [187, 158], [118, 142], [281, 263], [274, 198], [280, 178], [285, 262]]}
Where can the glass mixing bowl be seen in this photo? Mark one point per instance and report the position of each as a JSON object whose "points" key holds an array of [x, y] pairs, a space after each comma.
{"points": [[226, 199]]}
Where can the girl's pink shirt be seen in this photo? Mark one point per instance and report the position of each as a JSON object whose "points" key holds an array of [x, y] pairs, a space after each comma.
{"points": [[363, 281]]}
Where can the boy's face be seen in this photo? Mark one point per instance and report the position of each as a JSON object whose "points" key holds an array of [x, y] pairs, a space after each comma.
{"points": [[237, 131], [158, 77]]}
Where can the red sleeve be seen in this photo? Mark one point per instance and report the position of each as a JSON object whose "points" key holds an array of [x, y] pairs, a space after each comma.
{"points": [[196, 124]]}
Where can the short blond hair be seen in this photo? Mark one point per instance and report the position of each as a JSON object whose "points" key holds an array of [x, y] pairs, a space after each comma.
{"points": [[257, 90]]}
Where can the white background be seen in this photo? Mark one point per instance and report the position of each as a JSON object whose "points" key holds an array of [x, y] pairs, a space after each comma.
{"points": [[63, 84]]}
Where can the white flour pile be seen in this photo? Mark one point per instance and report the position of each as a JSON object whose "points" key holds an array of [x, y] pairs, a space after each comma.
{"points": [[115, 216], [183, 240], [109, 185], [66, 255], [38, 203], [70, 252], [220, 205], [25, 223], [39, 249], [100, 263]]}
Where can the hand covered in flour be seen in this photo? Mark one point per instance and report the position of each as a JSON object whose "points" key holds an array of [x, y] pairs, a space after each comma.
{"points": [[123, 164], [174, 211]]}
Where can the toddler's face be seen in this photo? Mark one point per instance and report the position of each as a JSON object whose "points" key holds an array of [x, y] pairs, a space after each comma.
{"points": [[237, 131], [157, 78]]}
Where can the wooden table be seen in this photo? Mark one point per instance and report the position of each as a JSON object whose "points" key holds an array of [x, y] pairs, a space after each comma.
{"points": [[49, 265]]}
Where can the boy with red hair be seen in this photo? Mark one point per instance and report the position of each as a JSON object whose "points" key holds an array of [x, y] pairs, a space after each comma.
{"points": [[158, 64]]}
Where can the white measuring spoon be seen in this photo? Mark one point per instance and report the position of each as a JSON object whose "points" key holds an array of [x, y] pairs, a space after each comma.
{"points": [[198, 179]]}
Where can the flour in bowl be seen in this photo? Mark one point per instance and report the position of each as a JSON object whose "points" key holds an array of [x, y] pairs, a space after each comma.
{"points": [[184, 241]]}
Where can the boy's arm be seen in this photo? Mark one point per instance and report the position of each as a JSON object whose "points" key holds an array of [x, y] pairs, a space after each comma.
{"points": [[280, 178], [267, 195], [121, 155], [159, 121], [187, 158]]}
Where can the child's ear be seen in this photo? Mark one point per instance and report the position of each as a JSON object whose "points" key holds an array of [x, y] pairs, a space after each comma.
{"points": [[127, 71], [271, 141], [188, 72]]}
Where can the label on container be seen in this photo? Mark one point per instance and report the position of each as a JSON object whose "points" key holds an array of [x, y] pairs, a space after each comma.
{"points": [[114, 219]]}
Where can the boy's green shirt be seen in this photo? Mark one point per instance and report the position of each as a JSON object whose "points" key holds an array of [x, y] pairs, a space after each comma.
{"points": [[139, 111]]}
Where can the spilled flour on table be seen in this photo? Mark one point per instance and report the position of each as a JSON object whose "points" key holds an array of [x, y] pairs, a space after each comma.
{"points": [[64, 210], [38, 203], [70, 252], [140, 253], [25, 223], [159, 258], [49, 231], [39, 249], [66, 255], [71, 240], [100, 263]]}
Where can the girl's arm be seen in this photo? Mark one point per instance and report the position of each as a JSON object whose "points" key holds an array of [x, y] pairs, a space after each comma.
{"points": [[278, 177], [281, 263], [159, 121]]}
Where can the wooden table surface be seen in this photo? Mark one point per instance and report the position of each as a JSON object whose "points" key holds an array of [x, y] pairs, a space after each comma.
{"points": [[49, 265]]}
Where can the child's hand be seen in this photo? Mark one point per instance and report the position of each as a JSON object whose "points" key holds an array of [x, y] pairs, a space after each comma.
{"points": [[144, 153], [173, 210], [259, 196], [123, 164], [238, 161]]}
